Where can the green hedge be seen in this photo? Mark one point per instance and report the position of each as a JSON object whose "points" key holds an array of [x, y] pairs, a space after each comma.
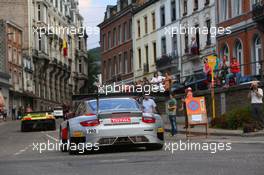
{"points": [[234, 119]]}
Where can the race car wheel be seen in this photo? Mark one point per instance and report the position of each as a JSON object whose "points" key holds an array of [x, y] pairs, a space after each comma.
{"points": [[23, 127], [71, 146], [154, 147]]}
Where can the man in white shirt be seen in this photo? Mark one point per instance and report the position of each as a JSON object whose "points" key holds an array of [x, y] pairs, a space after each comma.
{"points": [[149, 106], [256, 95]]}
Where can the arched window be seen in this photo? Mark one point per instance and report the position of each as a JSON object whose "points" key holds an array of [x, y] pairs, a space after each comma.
{"points": [[256, 56], [238, 53], [225, 52]]}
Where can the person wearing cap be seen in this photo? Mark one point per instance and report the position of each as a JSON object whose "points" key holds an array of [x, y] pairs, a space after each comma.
{"points": [[256, 96], [189, 94]]}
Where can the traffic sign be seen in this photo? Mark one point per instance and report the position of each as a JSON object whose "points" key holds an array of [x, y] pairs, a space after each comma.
{"points": [[211, 61], [196, 113]]}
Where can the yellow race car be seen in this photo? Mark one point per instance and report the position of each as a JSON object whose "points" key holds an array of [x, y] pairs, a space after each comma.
{"points": [[38, 121]]}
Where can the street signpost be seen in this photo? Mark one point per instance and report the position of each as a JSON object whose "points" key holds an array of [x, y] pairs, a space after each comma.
{"points": [[212, 63], [196, 113]]}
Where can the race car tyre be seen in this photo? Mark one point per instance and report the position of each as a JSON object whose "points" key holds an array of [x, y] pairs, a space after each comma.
{"points": [[71, 146], [23, 127], [154, 147]]}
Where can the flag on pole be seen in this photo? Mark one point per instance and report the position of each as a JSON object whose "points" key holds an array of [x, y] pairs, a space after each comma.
{"points": [[65, 48]]}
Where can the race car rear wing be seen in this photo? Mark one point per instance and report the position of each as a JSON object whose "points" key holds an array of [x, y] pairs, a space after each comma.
{"points": [[92, 96], [97, 96]]}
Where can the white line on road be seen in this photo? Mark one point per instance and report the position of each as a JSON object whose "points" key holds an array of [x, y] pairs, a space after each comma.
{"points": [[116, 160], [21, 151], [53, 138]]}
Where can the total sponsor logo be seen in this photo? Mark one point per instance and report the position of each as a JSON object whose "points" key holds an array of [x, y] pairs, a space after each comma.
{"points": [[121, 120]]}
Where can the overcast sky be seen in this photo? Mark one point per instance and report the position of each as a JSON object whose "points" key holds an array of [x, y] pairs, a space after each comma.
{"points": [[93, 13]]}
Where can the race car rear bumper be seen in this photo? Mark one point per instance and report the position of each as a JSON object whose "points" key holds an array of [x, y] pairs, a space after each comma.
{"points": [[45, 124]]}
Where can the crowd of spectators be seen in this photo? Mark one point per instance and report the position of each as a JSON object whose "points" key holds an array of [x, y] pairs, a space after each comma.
{"points": [[164, 82], [224, 75]]}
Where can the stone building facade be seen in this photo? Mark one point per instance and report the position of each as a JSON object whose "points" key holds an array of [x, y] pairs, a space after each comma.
{"points": [[54, 62], [4, 74], [145, 40]]}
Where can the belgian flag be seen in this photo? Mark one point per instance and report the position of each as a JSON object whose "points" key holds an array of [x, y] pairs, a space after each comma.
{"points": [[65, 48]]}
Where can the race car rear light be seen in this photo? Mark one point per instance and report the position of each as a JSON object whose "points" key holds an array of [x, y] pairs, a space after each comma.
{"points": [[26, 119], [89, 114], [148, 120], [90, 123]]}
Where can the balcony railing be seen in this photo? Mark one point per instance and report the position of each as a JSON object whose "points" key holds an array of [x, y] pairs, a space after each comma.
{"points": [[167, 61], [258, 11]]}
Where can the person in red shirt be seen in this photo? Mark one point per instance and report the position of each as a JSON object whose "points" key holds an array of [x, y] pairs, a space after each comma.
{"points": [[208, 72], [234, 72]]}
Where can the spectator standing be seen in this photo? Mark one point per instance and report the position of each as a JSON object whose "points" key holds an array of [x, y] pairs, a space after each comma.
{"points": [[167, 82], [217, 69], [256, 95], [194, 47], [149, 106], [145, 81], [223, 70], [189, 94], [28, 109], [234, 72], [14, 112], [172, 108], [208, 72], [4, 114], [2, 104], [19, 113]]}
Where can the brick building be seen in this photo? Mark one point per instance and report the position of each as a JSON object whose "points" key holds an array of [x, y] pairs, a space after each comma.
{"points": [[246, 42], [116, 43], [15, 64]]}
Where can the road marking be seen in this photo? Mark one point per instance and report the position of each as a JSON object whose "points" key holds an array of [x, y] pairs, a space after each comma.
{"points": [[53, 138], [21, 151], [238, 141], [116, 160]]}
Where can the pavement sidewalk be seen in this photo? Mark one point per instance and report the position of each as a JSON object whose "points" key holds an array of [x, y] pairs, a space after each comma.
{"points": [[199, 130]]}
